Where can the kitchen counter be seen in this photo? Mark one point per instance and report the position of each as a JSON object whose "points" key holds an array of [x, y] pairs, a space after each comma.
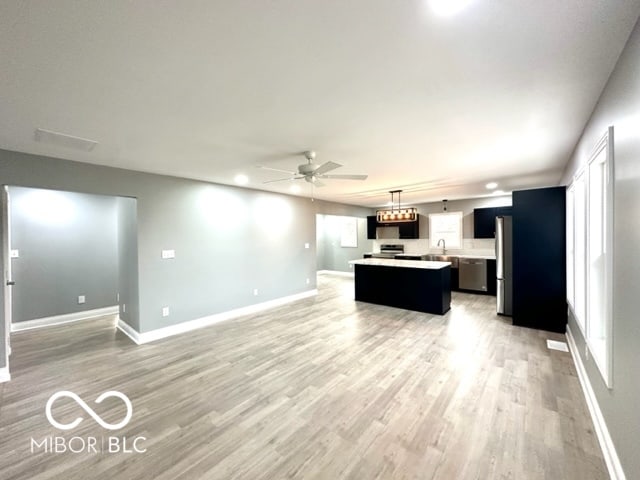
{"points": [[419, 285], [390, 262], [484, 257]]}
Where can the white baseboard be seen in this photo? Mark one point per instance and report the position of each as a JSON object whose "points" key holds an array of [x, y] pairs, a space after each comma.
{"points": [[5, 376], [129, 331], [153, 335], [335, 272], [66, 318], [602, 432]]}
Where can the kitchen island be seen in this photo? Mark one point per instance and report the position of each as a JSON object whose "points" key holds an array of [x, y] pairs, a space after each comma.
{"points": [[410, 284]]}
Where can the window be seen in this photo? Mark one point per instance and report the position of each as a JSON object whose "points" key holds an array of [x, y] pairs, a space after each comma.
{"points": [[580, 247], [589, 253], [599, 259], [570, 247], [447, 227]]}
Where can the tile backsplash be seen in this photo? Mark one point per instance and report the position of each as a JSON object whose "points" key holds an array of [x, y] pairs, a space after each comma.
{"points": [[470, 246]]}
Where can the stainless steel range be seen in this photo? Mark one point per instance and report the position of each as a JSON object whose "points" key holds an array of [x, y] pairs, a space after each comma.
{"points": [[389, 251]]}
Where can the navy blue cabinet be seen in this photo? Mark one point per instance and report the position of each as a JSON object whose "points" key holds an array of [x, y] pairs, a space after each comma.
{"points": [[484, 220], [409, 229], [405, 229], [372, 224], [539, 267]]}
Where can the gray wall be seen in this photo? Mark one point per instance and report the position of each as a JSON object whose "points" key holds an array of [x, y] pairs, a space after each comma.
{"points": [[68, 247], [332, 256], [127, 226], [619, 106], [228, 240]]}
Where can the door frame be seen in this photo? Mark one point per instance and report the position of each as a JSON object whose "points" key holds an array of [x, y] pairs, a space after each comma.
{"points": [[5, 226]]}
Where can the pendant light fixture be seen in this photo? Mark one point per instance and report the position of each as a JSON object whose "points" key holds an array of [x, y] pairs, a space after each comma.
{"points": [[396, 215]]}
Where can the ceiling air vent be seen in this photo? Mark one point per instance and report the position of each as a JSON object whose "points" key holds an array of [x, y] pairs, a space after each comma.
{"points": [[63, 140]]}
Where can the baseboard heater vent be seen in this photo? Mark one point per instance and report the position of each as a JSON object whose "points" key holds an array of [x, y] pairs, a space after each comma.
{"points": [[554, 345]]}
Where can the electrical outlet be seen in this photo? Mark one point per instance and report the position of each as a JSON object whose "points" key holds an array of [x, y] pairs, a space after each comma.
{"points": [[306, 245], [165, 311], [308, 281], [81, 299], [168, 254], [255, 292], [15, 254]]}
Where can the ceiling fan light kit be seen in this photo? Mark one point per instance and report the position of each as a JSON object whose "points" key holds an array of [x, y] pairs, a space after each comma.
{"points": [[399, 214]]}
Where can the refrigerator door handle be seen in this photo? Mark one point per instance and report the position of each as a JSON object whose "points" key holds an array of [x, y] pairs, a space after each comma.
{"points": [[500, 247]]}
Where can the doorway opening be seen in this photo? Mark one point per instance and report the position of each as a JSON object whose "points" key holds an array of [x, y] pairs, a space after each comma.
{"points": [[67, 257]]}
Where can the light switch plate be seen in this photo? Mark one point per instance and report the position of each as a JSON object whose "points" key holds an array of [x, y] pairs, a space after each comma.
{"points": [[81, 299], [15, 253], [306, 245], [168, 254]]}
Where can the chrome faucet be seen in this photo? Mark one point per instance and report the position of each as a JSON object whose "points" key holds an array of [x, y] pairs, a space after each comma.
{"points": [[444, 249]]}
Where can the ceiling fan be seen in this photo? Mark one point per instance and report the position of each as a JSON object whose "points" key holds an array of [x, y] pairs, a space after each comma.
{"points": [[312, 172]]}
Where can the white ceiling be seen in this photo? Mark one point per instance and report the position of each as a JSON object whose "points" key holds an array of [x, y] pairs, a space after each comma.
{"points": [[208, 89]]}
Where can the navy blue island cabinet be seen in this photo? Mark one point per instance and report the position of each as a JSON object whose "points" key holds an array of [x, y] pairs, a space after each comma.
{"points": [[539, 259], [412, 285]]}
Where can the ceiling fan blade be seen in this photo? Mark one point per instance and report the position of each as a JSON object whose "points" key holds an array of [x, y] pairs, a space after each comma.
{"points": [[326, 167], [276, 169], [283, 179], [346, 177]]}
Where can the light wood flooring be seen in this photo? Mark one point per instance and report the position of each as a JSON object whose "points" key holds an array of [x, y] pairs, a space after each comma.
{"points": [[323, 388]]}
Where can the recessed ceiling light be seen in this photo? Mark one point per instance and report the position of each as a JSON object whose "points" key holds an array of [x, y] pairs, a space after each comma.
{"points": [[295, 188], [499, 192], [491, 185], [447, 8], [241, 179]]}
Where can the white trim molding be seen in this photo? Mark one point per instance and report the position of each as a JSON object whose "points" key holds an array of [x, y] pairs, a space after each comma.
{"points": [[602, 432], [65, 318], [159, 333], [335, 272], [5, 376], [129, 331]]}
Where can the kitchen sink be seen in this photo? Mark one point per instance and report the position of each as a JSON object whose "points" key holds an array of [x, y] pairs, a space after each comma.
{"points": [[444, 258]]}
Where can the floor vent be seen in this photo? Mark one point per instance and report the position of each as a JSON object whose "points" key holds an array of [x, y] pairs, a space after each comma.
{"points": [[554, 345]]}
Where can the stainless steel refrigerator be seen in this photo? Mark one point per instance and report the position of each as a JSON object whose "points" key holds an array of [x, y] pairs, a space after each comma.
{"points": [[504, 265]]}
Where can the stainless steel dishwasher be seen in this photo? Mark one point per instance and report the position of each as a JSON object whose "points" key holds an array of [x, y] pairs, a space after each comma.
{"points": [[473, 274]]}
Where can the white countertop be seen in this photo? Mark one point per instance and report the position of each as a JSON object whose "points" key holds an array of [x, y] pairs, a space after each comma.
{"points": [[389, 262], [486, 257]]}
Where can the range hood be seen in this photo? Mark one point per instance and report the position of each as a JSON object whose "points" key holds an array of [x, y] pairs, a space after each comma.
{"points": [[397, 214]]}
